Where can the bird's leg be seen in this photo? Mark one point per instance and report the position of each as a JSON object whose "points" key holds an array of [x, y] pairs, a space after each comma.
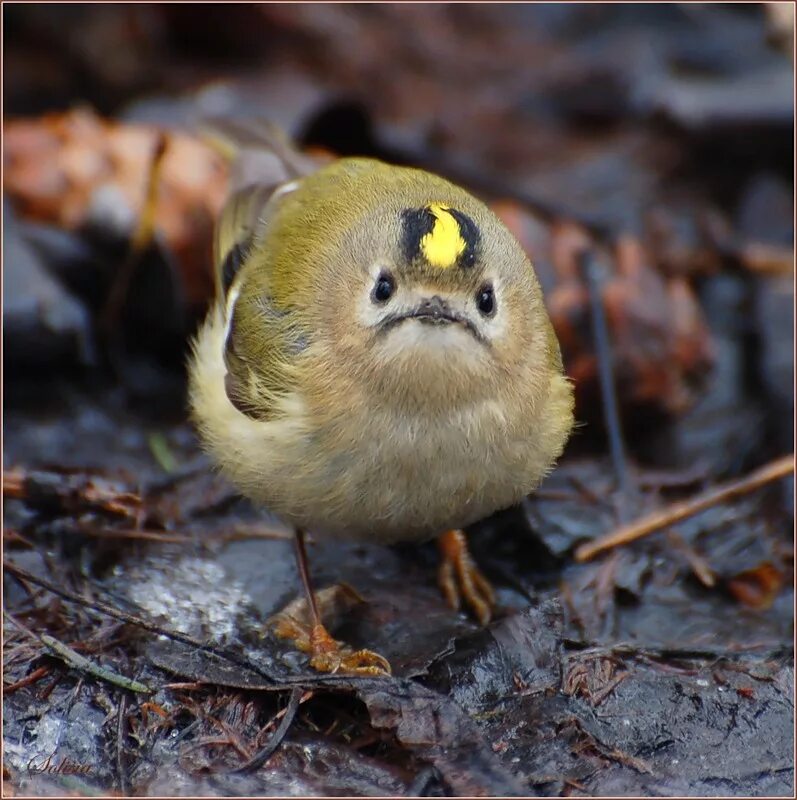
{"points": [[459, 577], [326, 654]]}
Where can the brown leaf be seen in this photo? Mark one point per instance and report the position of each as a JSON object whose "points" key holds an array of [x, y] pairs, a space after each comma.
{"points": [[757, 587], [73, 169]]}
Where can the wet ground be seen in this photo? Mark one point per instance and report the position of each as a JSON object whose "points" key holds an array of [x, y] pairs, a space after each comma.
{"points": [[622, 676]]}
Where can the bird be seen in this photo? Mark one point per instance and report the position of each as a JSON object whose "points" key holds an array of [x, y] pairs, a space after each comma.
{"points": [[377, 365]]}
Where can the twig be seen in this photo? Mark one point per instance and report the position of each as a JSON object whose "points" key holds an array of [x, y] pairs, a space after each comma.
{"points": [[141, 238], [767, 259], [676, 512], [210, 741], [120, 736], [83, 664], [48, 690], [246, 532], [132, 619], [605, 751], [233, 737], [586, 492], [20, 625], [276, 740], [116, 613], [70, 491], [150, 536], [599, 696], [603, 354], [11, 536], [276, 681], [186, 685], [36, 675], [187, 731], [701, 567]]}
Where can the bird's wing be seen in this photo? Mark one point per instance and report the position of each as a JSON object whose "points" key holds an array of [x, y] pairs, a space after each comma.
{"points": [[262, 340]]}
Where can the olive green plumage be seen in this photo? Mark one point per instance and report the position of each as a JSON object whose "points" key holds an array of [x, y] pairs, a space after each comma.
{"points": [[379, 363]]}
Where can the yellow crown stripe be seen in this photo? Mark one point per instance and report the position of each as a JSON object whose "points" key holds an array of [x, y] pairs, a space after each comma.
{"points": [[444, 244]]}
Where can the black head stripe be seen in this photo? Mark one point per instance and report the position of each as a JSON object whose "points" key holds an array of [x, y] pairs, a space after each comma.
{"points": [[471, 235], [417, 223]]}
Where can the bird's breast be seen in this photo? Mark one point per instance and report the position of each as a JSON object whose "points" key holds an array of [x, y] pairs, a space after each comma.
{"points": [[352, 470], [383, 475]]}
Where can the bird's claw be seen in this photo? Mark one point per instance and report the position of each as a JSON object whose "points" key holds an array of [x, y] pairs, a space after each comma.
{"points": [[460, 578], [327, 654]]}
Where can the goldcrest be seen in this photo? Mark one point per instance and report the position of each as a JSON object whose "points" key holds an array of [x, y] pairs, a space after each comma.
{"points": [[378, 363]]}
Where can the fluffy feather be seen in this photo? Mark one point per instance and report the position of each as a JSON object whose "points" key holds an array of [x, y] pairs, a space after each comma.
{"points": [[351, 430]]}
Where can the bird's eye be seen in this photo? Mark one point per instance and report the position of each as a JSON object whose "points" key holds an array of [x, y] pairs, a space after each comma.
{"points": [[485, 300], [383, 288]]}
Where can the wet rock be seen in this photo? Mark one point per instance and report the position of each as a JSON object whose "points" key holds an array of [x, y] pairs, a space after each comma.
{"points": [[762, 99], [724, 426], [43, 324], [680, 733], [766, 214], [56, 741]]}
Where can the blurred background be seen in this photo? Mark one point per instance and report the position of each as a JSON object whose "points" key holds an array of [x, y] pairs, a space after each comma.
{"points": [[662, 134], [658, 136]]}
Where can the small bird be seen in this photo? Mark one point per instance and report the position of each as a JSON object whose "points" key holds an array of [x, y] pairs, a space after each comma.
{"points": [[378, 365]]}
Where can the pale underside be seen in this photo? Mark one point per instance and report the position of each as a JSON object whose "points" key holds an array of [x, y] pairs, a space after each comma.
{"points": [[373, 473]]}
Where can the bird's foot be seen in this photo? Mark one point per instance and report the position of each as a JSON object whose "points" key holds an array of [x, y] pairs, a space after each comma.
{"points": [[327, 654], [460, 578]]}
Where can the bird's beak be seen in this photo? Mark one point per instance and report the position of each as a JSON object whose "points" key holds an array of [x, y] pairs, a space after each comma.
{"points": [[434, 310]]}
